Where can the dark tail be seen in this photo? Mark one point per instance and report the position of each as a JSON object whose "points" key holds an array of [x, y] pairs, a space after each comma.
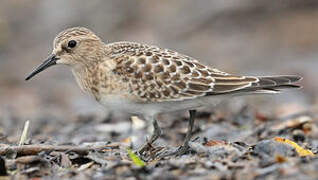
{"points": [[273, 84]]}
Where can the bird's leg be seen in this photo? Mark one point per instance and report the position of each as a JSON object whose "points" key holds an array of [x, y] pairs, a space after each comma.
{"points": [[183, 149], [155, 135]]}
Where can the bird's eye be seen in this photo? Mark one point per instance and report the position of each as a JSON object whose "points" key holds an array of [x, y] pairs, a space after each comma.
{"points": [[71, 43]]}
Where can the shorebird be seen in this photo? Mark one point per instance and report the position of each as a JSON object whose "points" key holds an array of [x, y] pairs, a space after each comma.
{"points": [[148, 80]]}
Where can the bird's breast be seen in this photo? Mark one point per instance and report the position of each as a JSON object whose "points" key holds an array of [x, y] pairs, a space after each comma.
{"points": [[99, 82]]}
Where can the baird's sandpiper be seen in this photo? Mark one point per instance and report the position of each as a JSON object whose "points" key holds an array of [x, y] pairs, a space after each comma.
{"points": [[148, 80]]}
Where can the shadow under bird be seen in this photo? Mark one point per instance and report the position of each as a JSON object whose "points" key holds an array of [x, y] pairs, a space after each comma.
{"points": [[148, 80]]}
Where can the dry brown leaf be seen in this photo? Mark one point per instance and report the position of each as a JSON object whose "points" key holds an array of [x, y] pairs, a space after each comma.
{"points": [[215, 143]]}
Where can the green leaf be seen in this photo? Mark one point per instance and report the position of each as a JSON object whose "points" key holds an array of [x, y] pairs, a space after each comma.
{"points": [[137, 161]]}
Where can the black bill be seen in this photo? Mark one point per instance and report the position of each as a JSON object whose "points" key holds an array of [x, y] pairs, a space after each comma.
{"points": [[51, 60]]}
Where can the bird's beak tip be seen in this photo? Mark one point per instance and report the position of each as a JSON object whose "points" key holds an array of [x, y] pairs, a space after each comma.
{"points": [[27, 78], [50, 61]]}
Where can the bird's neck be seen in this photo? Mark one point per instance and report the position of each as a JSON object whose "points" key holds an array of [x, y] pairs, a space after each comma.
{"points": [[86, 78]]}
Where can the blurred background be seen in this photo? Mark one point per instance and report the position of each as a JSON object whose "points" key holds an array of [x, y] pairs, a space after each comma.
{"points": [[253, 37]]}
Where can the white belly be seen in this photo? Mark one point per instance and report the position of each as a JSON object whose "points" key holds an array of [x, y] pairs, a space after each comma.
{"points": [[116, 103]]}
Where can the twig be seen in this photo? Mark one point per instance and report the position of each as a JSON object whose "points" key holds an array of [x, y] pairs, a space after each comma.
{"points": [[35, 149], [24, 133]]}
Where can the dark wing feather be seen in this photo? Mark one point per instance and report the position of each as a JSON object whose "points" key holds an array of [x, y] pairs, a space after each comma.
{"points": [[230, 83], [275, 83], [262, 84]]}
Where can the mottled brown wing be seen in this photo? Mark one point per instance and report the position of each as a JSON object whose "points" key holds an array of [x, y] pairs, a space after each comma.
{"points": [[158, 75]]}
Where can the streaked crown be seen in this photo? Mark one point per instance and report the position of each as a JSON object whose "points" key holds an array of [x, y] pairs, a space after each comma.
{"points": [[77, 45]]}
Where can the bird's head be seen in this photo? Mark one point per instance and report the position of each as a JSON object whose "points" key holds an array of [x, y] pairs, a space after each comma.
{"points": [[75, 47]]}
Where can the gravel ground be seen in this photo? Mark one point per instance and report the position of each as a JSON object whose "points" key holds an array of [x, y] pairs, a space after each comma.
{"points": [[246, 147]]}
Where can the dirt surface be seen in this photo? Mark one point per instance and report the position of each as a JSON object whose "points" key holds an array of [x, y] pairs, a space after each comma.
{"points": [[70, 136], [249, 146]]}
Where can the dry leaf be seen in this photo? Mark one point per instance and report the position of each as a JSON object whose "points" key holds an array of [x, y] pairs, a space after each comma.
{"points": [[301, 151], [214, 142], [280, 159]]}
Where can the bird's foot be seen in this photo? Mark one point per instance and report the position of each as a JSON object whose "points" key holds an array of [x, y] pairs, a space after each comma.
{"points": [[146, 147], [182, 150], [179, 152], [148, 152]]}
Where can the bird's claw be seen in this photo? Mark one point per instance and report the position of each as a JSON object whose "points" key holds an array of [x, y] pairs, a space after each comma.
{"points": [[179, 152]]}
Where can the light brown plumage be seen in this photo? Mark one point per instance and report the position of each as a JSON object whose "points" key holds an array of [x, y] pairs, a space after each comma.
{"points": [[148, 80], [148, 74]]}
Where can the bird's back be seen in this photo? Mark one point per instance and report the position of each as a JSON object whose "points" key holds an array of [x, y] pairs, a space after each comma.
{"points": [[159, 75]]}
